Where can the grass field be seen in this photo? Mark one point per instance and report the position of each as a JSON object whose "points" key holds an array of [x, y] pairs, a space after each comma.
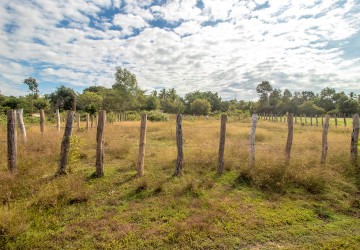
{"points": [[303, 205]]}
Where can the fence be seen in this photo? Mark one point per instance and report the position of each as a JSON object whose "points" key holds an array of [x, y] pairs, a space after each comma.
{"points": [[101, 120]]}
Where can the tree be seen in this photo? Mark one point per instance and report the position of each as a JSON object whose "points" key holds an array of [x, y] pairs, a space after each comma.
{"points": [[310, 109], [264, 89], [172, 107], [326, 100], [33, 86], [200, 107], [63, 98], [212, 98], [41, 103], [89, 98], [152, 103]]}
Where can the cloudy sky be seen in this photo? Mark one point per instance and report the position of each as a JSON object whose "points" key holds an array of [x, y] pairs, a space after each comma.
{"points": [[225, 46]]}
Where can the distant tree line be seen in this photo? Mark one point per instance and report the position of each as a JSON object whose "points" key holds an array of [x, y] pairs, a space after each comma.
{"points": [[126, 95]]}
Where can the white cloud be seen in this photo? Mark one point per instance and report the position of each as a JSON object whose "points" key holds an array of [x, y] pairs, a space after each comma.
{"points": [[227, 46]]}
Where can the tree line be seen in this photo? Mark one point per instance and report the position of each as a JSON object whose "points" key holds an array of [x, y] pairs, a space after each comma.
{"points": [[126, 95]]}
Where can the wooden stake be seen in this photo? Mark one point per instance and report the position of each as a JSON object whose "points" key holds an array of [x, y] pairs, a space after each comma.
{"points": [[42, 121], [100, 143], [289, 138], [355, 140], [140, 163], [65, 144], [87, 121], [316, 120], [21, 125], [344, 120], [324, 139], [252, 142], [220, 168], [179, 144], [58, 119], [78, 120], [12, 141]]}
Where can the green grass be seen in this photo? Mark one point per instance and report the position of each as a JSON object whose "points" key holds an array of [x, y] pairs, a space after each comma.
{"points": [[301, 206]]}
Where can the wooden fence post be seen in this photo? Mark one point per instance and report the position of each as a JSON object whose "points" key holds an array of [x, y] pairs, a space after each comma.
{"points": [[355, 140], [316, 120], [289, 138], [252, 142], [324, 139], [42, 121], [20, 120], [78, 120], [91, 120], [58, 120], [344, 120], [12, 141], [65, 144], [220, 168], [140, 163], [179, 144], [335, 120], [87, 121], [305, 120], [100, 143]]}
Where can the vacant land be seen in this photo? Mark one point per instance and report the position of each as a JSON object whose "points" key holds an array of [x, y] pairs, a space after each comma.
{"points": [[301, 205]]}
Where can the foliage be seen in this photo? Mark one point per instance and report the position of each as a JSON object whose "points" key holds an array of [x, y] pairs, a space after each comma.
{"points": [[200, 107], [41, 103], [63, 98], [33, 86], [156, 116], [89, 100], [152, 103], [212, 98]]}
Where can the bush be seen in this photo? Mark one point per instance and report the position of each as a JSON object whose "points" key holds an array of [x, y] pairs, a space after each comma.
{"points": [[156, 116]]}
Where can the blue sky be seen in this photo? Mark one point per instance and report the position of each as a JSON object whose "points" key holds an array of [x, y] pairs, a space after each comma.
{"points": [[224, 46]]}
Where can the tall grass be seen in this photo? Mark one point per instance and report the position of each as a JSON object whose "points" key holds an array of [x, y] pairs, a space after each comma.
{"points": [[272, 208]]}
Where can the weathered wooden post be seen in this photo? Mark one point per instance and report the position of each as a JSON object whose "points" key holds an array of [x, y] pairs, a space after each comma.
{"points": [[87, 121], [252, 143], [324, 139], [21, 125], [140, 163], [12, 141], [316, 120], [100, 143], [179, 144], [42, 121], [289, 138], [91, 120], [344, 120], [58, 120], [355, 140], [335, 120], [78, 120], [65, 144], [220, 167]]}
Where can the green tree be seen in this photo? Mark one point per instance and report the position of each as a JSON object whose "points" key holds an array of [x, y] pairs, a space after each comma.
{"points": [[152, 103], [33, 86], [89, 98], [310, 109], [41, 103], [200, 107], [63, 98], [212, 98], [264, 89]]}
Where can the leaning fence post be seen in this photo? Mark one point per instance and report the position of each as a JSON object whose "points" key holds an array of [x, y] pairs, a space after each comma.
{"points": [[100, 143], [12, 141], [355, 140], [58, 119], [220, 168], [324, 139], [20, 120], [65, 144], [140, 163], [42, 121], [252, 142], [289, 137], [179, 144]]}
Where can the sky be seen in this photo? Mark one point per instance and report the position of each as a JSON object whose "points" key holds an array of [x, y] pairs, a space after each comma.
{"points": [[223, 46]]}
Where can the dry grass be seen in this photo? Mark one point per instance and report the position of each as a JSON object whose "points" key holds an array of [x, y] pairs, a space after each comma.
{"points": [[301, 205]]}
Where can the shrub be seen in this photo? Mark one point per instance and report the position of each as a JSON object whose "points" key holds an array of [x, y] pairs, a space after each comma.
{"points": [[156, 116]]}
